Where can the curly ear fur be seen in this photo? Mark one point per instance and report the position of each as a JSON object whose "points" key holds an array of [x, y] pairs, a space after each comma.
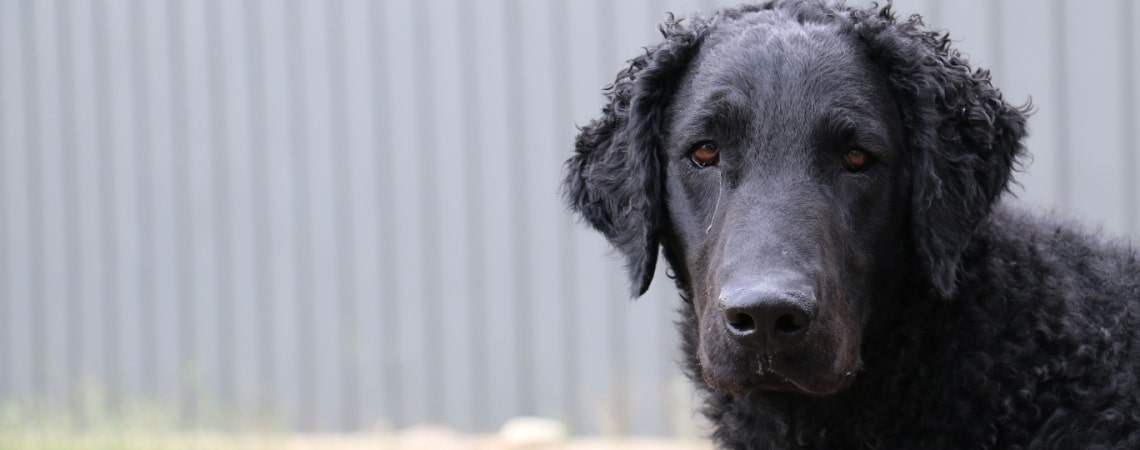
{"points": [[614, 178], [963, 139]]}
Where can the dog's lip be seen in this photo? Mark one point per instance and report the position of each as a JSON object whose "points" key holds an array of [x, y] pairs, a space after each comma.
{"points": [[776, 382], [773, 378], [779, 383]]}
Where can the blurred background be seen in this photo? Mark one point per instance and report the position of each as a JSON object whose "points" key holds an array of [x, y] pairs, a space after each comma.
{"points": [[343, 215]]}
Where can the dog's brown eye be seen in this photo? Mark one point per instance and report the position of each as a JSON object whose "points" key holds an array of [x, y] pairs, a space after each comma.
{"points": [[856, 160], [705, 154]]}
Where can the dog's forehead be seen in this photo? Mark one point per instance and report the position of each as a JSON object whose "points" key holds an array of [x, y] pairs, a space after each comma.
{"points": [[781, 80], [763, 61]]}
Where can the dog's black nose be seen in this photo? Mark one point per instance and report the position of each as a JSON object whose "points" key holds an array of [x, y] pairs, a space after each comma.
{"points": [[761, 319]]}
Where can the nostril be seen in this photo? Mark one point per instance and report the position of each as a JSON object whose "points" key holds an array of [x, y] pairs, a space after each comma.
{"points": [[740, 322], [764, 319], [790, 324]]}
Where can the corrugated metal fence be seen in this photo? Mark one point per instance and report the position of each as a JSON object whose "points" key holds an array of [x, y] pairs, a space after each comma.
{"points": [[334, 215]]}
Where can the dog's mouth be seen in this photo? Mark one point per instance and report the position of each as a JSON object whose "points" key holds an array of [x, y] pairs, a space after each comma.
{"points": [[772, 379], [779, 374], [760, 373], [815, 370]]}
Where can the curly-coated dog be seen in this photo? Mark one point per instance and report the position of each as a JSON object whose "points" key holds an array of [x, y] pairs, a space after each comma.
{"points": [[823, 181]]}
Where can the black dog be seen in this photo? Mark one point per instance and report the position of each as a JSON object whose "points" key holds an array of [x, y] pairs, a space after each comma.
{"points": [[823, 181]]}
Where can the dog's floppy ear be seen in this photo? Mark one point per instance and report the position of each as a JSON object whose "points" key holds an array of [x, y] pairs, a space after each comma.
{"points": [[963, 139], [614, 178]]}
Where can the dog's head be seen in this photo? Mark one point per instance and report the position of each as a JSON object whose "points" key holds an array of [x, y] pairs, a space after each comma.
{"points": [[794, 158]]}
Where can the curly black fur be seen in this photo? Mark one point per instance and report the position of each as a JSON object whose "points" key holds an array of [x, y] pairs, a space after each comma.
{"points": [[983, 328]]}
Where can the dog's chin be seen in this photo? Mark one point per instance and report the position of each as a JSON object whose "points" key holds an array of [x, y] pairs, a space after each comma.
{"points": [[745, 373]]}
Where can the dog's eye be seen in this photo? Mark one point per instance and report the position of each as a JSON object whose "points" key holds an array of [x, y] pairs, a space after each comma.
{"points": [[856, 160], [705, 154]]}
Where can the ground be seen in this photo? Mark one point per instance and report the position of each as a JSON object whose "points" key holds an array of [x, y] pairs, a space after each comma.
{"points": [[422, 438]]}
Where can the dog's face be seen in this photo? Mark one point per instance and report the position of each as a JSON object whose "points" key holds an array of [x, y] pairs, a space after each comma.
{"points": [[782, 151], [792, 159]]}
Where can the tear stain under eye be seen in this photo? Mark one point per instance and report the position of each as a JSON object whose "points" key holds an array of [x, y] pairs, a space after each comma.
{"points": [[716, 207]]}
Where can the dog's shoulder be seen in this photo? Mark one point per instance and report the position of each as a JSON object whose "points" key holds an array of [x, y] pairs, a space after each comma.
{"points": [[1052, 244]]}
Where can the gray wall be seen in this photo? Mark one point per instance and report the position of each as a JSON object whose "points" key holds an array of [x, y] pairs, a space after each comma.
{"points": [[333, 215]]}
